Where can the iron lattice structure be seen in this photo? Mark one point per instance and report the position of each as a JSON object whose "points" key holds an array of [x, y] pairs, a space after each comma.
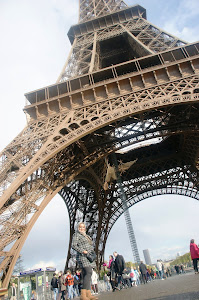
{"points": [[127, 87]]}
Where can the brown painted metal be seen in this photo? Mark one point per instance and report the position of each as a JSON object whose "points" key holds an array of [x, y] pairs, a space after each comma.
{"points": [[126, 83]]}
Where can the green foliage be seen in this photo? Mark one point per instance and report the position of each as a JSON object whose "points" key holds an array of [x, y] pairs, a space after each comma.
{"points": [[101, 274], [19, 265], [129, 264], [184, 259]]}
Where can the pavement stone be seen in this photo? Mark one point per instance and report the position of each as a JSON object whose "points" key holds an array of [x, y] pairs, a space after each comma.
{"points": [[178, 287]]}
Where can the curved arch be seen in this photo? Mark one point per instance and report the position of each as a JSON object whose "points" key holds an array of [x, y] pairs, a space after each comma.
{"points": [[16, 248], [52, 146], [157, 192]]}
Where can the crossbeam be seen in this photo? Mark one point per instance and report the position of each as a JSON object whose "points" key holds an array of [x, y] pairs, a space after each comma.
{"points": [[134, 75]]}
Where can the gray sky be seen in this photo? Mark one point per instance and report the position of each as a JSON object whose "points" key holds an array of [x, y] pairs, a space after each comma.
{"points": [[34, 48]]}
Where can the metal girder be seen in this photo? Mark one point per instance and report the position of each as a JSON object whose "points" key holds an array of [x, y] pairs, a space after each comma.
{"points": [[140, 98], [142, 37], [89, 9]]}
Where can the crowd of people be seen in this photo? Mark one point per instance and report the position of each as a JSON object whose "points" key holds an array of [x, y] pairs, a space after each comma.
{"points": [[121, 277], [84, 282]]}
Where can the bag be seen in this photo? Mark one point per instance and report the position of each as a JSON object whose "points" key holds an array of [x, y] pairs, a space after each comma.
{"points": [[91, 256]]}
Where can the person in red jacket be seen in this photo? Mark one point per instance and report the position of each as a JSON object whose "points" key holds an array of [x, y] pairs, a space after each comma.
{"points": [[194, 250], [69, 283]]}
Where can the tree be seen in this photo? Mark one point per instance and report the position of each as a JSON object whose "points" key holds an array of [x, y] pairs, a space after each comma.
{"points": [[19, 267], [184, 259]]}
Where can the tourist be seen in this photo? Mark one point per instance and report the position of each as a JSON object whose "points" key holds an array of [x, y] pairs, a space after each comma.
{"points": [[61, 286], [82, 243], [34, 296], [137, 274], [159, 267], [148, 275], [111, 273], [76, 283], [54, 286], [13, 292], [182, 268], [94, 281], [152, 274], [69, 282], [106, 281], [177, 268], [194, 250], [80, 282], [119, 268], [168, 272], [133, 278], [143, 271]]}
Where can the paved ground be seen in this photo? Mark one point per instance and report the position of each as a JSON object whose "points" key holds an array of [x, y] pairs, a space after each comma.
{"points": [[177, 287]]}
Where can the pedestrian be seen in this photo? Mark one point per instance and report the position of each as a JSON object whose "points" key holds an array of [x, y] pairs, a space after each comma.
{"points": [[119, 268], [137, 274], [133, 278], [168, 272], [13, 292], [111, 273], [159, 267], [69, 282], [76, 283], [152, 274], [83, 245], [177, 268], [61, 286], [80, 282], [54, 286], [106, 281], [143, 270], [34, 296], [182, 268], [94, 281], [194, 250]]}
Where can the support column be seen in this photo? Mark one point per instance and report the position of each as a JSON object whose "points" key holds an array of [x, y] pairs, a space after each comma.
{"points": [[127, 217]]}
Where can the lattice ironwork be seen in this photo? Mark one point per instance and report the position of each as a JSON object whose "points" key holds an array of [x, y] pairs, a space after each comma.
{"points": [[90, 9], [139, 100]]}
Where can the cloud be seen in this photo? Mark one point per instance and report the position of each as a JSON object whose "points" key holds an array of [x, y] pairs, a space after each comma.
{"points": [[183, 22], [159, 225], [34, 47], [42, 264]]}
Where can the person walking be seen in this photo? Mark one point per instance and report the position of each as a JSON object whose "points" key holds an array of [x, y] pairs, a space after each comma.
{"points": [[69, 282], [159, 267], [106, 281], [119, 268], [85, 257], [80, 282], [143, 271], [76, 283], [194, 251], [61, 286], [54, 285], [94, 281], [13, 292], [133, 277], [111, 273], [34, 296]]}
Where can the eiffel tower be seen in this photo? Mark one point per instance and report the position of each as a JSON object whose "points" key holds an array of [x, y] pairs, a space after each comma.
{"points": [[129, 88]]}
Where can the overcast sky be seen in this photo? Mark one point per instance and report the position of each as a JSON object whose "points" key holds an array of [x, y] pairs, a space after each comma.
{"points": [[34, 48]]}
